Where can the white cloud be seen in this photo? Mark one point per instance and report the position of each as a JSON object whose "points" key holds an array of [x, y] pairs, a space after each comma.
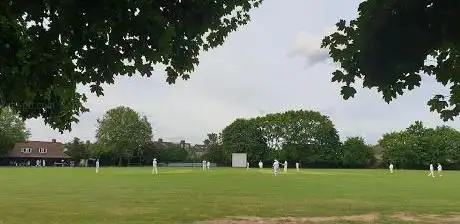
{"points": [[308, 46]]}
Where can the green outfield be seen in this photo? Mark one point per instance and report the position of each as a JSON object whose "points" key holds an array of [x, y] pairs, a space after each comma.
{"points": [[189, 195]]}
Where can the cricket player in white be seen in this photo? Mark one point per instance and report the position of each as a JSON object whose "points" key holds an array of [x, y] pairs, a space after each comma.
{"points": [[261, 164], [208, 164], [247, 165], [276, 167], [44, 163], [285, 166], [97, 166], [154, 166], [204, 164], [297, 166], [439, 169], [391, 167], [431, 170]]}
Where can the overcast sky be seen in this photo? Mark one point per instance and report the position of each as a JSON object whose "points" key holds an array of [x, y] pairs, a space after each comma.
{"points": [[273, 64]]}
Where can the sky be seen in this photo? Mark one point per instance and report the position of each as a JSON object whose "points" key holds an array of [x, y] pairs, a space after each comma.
{"points": [[273, 64]]}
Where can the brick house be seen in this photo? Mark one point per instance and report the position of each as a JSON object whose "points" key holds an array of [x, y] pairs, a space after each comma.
{"points": [[31, 151]]}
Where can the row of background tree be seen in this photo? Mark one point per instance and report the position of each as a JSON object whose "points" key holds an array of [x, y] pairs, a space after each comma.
{"points": [[80, 150], [310, 138], [301, 136], [125, 137]]}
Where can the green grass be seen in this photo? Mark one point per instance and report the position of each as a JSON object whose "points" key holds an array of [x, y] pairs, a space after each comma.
{"points": [[186, 195]]}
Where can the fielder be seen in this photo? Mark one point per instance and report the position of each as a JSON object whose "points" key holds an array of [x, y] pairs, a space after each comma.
{"points": [[439, 169], [285, 166], [97, 166], [154, 166], [204, 164], [297, 165], [431, 170], [276, 167], [247, 165], [208, 164], [261, 164], [391, 167]]}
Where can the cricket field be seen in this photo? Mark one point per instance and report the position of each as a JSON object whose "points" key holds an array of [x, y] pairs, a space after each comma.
{"points": [[225, 195]]}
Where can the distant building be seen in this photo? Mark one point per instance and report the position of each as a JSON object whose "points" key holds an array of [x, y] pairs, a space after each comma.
{"points": [[200, 150], [195, 150], [160, 144], [184, 145], [52, 152]]}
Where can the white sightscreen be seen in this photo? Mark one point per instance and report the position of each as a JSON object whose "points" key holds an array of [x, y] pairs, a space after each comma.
{"points": [[239, 159]]}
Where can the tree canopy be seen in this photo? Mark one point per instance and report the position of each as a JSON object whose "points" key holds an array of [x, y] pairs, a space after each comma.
{"points": [[215, 150], [304, 136], [12, 129], [49, 47], [418, 146], [123, 132], [393, 43], [78, 149], [244, 136], [356, 153], [173, 154]]}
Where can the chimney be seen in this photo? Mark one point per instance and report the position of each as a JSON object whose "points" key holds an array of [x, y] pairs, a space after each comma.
{"points": [[53, 140], [160, 140]]}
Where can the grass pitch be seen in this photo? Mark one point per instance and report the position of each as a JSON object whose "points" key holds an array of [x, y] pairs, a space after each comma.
{"points": [[189, 195]]}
